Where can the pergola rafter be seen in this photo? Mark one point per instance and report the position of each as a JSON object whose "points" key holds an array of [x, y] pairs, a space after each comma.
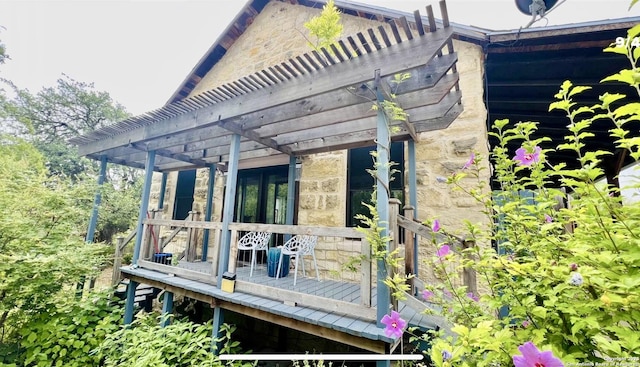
{"points": [[316, 102]]}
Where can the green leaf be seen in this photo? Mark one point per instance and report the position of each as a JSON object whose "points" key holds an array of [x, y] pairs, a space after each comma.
{"points": [[624, 76], [635, 30], [578, 90]]}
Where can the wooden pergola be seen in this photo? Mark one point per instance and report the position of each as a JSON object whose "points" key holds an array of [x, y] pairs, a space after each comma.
{"points": [[317, 102]]}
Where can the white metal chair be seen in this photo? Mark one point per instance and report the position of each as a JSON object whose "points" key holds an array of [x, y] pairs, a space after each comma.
{"points": [[254, 241], [297, 247]]}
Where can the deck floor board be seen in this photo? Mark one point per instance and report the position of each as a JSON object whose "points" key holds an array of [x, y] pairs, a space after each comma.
{"points": [[326, 288]]}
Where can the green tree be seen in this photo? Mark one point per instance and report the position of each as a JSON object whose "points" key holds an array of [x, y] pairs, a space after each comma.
{"points": [[49, 118], [3, 51], [42, 247]]}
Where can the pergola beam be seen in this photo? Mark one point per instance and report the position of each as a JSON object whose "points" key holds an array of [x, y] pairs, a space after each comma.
{"points": [[403, 56]]}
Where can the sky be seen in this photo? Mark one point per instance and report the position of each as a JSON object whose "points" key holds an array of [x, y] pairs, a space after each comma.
{"points": [[139, 51]]}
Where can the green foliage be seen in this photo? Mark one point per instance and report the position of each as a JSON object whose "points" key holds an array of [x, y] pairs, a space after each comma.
{"points": [[70, 331], [3, 51], [566, 279], [42, 247], [54, 115], [118, 210], [69, 109], [325, 28], [182, 343]]}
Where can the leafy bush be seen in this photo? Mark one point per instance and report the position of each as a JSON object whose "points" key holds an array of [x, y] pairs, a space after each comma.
{"points": [[69, 333], [42, 246], [146, 343], [564, 279]]}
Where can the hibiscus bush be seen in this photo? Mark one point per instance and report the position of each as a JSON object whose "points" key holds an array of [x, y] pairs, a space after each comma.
{"points": [[559, 266]]}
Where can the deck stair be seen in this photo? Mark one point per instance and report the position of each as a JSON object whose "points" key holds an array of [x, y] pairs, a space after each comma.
{"points": [[145, 294]]}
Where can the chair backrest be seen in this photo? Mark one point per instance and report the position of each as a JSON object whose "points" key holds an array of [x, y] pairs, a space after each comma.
{"points": [[309, 245], [299, 244], [257, 240]]}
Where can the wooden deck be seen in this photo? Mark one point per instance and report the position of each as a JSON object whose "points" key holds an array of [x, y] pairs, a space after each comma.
{"points": [[361, 332]]}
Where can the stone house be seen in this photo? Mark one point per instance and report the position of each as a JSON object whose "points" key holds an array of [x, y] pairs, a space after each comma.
{"points": [[510, 74], [331, 185]]}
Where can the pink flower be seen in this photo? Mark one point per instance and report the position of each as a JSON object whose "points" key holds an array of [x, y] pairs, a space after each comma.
{"points": [[473, 296], [446, 293], [532, 357], [443, 251], [394, 325], [573, 267], [427, 294], [435, 227], [548, 218], [525, 323], [525, 158], [470, 161]]}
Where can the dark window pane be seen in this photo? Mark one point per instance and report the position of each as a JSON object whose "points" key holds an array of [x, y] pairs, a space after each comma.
{"points": [[184, 194]]}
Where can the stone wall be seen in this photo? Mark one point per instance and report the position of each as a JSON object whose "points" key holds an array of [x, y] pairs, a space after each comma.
{"points": [[276, 35], [441, 153]]}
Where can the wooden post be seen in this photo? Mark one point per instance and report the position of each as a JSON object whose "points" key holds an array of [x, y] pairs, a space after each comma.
{"points": [[216, 256], [208, 210], [167, 309], [394, 233], [365, 273], [145, 253], [144, 202], [117, 261], [410, 252], [233, 253], [192, 245], [383, 141], [469, 274], [128, 307]]}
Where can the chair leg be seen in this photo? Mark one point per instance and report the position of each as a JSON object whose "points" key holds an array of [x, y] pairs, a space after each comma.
{"points": [[253, 261], [295, 274], [279, 265], [315, 265]]}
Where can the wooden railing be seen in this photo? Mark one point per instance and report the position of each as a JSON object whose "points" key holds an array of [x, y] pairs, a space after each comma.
{"points": [[121, 244], [193, 227], [411, 226]]}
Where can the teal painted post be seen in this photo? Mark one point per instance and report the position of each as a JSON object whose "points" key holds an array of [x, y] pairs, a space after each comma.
{"points": [[144, 203], [208, 210], [383, 297], [128, 307], [218, 320], [167, 308], [291, 193], [93, 222], [229, 205], [413, 197], [225, 234], [163, 188]]}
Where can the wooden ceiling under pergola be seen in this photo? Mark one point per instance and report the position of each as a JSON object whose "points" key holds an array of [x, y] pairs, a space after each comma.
{"points": [[316, 102]]}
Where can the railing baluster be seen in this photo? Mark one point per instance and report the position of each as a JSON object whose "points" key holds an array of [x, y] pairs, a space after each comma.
{"points": [[469, 274], [365, 273], [409, 251], [117, 261]]}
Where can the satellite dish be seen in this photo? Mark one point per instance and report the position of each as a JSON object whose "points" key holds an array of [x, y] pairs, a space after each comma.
{"points": [[526, 7]]}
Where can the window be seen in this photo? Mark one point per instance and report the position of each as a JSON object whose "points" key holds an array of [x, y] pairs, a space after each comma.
{"points": [[361, 183], [184, 194]]}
